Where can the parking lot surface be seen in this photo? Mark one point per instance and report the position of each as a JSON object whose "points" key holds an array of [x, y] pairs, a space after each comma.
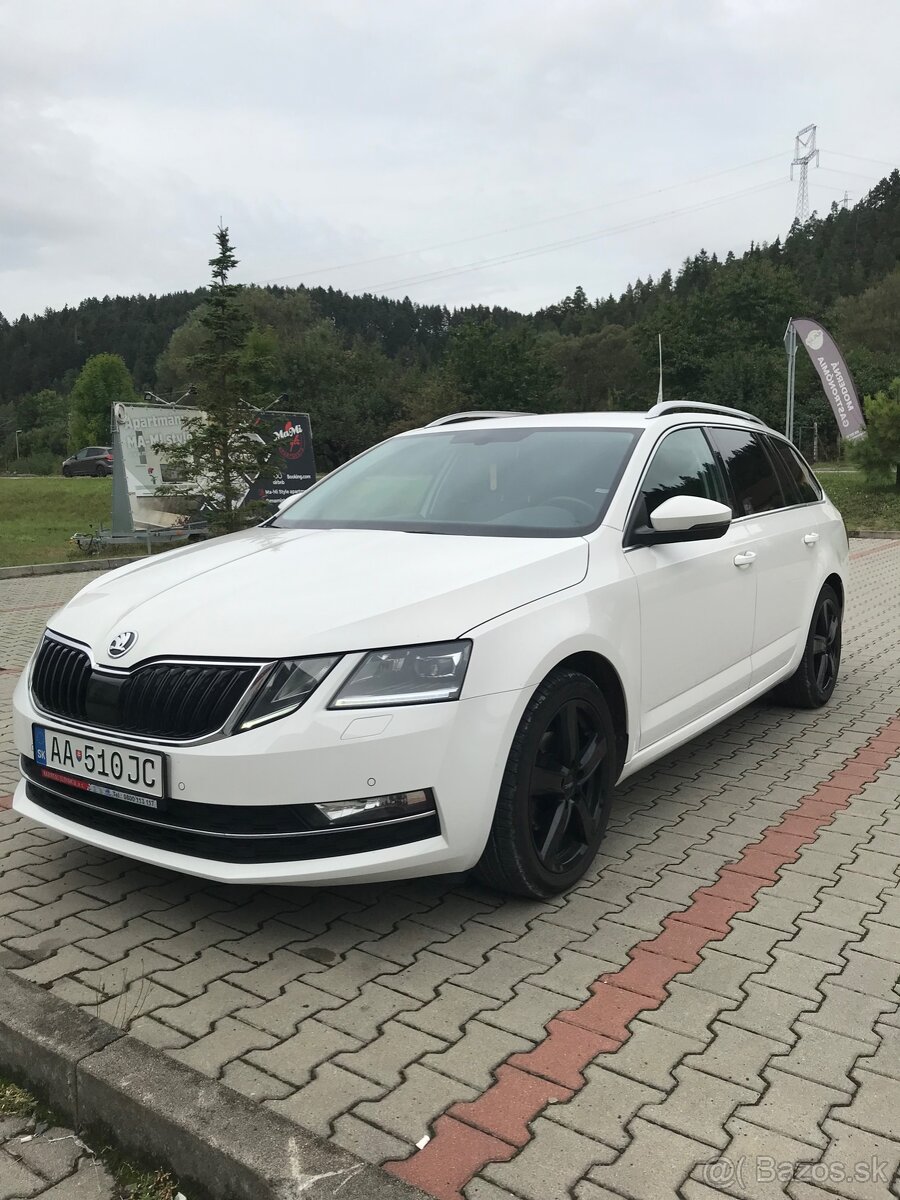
{"points": [[713, 1011]]}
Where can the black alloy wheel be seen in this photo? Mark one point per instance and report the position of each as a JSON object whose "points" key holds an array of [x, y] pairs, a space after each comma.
{"points": [[826, 645], [813, 682], [566, 786], [556, 791]]}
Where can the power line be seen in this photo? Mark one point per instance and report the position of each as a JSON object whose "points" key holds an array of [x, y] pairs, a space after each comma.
{"points": [[855, 174], [881, 162], [549, 247], [365, 262]]}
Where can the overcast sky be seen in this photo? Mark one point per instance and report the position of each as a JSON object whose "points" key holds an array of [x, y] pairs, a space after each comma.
{"points": [[386, 146]]}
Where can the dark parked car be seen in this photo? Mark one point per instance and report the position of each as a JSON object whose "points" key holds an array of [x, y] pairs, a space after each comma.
{"points": [[92, 460]]}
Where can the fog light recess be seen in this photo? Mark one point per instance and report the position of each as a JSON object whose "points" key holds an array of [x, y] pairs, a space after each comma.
{"points": [[377, 808]]}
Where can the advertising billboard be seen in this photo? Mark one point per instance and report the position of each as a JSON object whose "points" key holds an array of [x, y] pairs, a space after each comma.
{"points": [[292, 463], [139, 468]]}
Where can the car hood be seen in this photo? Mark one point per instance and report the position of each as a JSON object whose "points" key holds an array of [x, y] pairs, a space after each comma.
{"points": [[278, 593]]}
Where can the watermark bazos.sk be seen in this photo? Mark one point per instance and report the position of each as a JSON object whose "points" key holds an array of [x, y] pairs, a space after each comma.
{"points": [[763, 1168]]}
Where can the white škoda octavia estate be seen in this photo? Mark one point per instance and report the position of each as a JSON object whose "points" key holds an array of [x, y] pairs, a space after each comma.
{"points": [[443, 655]]}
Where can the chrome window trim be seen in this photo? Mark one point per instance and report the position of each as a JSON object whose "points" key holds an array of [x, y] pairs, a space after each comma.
{"points": [[226, 729]]}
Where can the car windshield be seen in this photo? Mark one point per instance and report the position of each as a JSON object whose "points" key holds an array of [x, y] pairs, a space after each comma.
{"points": [[517, 482]]}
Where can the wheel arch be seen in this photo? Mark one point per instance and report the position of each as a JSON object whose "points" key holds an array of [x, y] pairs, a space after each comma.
{"points": [[606, 677], [834, 580]]}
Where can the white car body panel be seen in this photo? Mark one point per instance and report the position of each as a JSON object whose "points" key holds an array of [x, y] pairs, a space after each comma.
{"points": [[689, 635], [228, 597]]}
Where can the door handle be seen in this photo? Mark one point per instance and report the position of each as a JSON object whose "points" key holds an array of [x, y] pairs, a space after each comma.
{"points": [[810, 539], [746, 559]]}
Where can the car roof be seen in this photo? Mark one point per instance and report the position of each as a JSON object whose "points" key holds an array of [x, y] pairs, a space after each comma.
{"points": [[656, 419]]}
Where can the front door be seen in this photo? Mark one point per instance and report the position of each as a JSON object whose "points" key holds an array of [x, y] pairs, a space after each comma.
{"points": [[697, 599]]}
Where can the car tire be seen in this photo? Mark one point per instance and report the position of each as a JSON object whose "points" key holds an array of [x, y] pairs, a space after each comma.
{"points": [[813, 682], [67, 472], [551, 812], [100, 471]]}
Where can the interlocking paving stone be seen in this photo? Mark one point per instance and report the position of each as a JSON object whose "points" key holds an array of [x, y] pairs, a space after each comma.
{"points": [[605, 1105], [656, 1161], [474, 1058], [651, 1054], [866, 1163], [435, 985], [698, 1107], [555, 1158], [412, 1106], [386, 1058], [737, 1055], [792, 1106], [295, 1059]]}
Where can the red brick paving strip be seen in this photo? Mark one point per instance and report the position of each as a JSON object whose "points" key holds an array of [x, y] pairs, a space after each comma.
{"points": [[494, 1127], [5, 801], [889, 544]]}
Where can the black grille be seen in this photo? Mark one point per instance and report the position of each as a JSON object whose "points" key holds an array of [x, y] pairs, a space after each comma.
{"points": [[60, 679], [225, 833], [166, 700]]}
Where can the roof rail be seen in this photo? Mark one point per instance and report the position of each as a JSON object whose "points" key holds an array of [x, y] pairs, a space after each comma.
{"points": [[475, 415], [688, 406]]}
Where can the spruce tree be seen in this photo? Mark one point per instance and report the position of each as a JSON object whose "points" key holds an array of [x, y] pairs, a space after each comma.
{"points": [[223, 453]]}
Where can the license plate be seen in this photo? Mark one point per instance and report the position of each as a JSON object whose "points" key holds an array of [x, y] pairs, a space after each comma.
{"points": [[104, 768]]}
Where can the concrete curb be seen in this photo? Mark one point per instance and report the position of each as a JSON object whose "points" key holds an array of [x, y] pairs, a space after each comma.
{"points": [[68, 568], [217, 1142], [874, 533]]}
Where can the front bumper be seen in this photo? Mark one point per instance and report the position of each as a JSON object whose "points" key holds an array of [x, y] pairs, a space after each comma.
{"points": [[457, 749]]}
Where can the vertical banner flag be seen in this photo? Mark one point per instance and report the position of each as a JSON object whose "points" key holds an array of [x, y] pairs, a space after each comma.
{"points": [[835, 376]]}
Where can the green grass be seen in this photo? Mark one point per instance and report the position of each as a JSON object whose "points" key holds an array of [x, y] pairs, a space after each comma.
{"points": [[132, 1182], [863, 505], [38, 516]]}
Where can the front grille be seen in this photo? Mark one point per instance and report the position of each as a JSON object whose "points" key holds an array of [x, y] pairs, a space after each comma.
{"points": [[176, 701], [60, 679], [169, 700], [225, 833]]}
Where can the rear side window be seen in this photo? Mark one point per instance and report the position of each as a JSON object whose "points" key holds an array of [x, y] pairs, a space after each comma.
{"points": [[750, 471], [796, 476], [683, 465]]}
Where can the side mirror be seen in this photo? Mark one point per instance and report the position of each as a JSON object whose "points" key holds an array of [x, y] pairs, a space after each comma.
{"points": [[684, 519], [285, 503]]}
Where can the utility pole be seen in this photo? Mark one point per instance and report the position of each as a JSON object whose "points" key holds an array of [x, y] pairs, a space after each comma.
{"points": [[18, 431], [845, 203], [804, 152]]}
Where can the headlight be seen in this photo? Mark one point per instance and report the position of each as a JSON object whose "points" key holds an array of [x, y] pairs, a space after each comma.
{"points": [[406, 675], [291, 683]]}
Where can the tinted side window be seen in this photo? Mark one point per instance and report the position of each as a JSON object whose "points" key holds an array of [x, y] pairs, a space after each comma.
{"points": [[801, 478], [753, 480], [683, 465]]}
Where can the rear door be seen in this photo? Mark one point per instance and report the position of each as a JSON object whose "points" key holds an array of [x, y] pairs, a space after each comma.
{"points": [[767, 506], [696, 605]]}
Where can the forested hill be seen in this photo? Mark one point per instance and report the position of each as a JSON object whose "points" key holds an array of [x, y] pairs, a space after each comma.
{"points": [[363, 365]]}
